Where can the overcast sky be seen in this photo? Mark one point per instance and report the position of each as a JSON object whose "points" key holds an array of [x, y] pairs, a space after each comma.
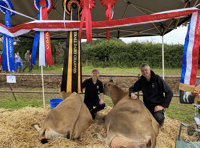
{"points": [[176, 36]]}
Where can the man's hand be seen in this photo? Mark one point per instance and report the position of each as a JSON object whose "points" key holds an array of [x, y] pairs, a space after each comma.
{"points": [[101, 101], [101, 98], [133, 96], [158, 107]]}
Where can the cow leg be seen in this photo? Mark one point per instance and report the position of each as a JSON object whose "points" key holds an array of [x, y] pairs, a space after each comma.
{"points": [[37, 127], [50, 134]]}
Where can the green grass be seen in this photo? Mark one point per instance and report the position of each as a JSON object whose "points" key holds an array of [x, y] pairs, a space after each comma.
{"points": [[109, 70], [181, 112], [13, 105]]}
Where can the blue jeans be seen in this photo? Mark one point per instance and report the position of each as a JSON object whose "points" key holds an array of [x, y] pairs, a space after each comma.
{"points": [[18, 64]]}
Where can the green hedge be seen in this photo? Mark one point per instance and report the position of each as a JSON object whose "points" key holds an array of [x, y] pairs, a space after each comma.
{"points": [[133, 54]]}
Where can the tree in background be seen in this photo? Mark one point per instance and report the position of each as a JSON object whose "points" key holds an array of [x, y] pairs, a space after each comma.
{"points": [[120, 54]]}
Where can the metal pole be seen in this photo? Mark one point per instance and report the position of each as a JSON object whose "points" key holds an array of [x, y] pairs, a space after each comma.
{"points": [[42, 85], [163, 74]]}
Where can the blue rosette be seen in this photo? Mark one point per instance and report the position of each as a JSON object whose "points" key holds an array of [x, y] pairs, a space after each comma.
{"points": [[6, 4]]}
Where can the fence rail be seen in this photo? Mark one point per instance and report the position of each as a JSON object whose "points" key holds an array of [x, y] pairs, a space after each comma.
{"points": [[49, 92], [86, 75]]}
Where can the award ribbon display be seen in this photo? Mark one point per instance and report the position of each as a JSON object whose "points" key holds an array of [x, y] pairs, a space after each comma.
{"points": [[108, 4], [43, 7], [87, 5], [60, 25], [191, 53], [71, 78], [8, 48]]}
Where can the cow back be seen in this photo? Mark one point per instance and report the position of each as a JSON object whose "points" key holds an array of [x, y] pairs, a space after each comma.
{"points": [[66, 117], [131, 119]]}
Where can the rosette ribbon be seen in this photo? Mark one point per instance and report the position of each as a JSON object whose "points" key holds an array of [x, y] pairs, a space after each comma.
{"points": [[87, 5], [8, 48], [191, 54], [108, 4], [43, 6]]}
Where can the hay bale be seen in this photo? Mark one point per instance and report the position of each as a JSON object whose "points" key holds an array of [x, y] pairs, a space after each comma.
{"points": [[16, 131]]}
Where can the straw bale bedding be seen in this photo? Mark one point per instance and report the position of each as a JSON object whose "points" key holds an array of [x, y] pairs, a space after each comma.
{"points": [[16, 131]]}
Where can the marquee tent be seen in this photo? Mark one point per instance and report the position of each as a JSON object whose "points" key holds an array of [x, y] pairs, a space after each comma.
{"points": [[122, 9]]}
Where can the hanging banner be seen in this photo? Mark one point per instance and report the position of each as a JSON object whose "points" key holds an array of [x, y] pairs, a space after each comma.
{"points": [[72, 74], [191, 54], [8, 48], [60, 25]]}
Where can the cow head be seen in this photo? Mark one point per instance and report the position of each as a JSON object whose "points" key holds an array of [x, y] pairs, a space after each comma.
{"points": [[108, 86]]}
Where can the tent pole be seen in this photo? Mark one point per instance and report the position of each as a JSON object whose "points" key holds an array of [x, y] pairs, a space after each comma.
{"points": [[163, 74], [42, 85]]}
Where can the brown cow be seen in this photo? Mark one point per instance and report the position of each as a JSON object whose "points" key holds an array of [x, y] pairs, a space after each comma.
{"points": [[129, 123], [69, 119]]}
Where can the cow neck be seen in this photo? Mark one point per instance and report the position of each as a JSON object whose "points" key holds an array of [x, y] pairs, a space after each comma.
{"points": [[117, 94]]}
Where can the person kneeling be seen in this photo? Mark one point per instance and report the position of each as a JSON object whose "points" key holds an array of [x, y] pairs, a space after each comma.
{"points": [[92, 87], [153, 88]]}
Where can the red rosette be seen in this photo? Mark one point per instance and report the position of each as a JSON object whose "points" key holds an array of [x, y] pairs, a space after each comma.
{"points": [[105, 3], [36, 5], [91, 2], [108, 4]]}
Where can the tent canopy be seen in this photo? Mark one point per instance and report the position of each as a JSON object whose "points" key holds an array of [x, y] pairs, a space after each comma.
{"points": [[122, 9]]}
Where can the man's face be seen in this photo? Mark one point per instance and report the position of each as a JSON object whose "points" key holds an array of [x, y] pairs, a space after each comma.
{"points": [[146, 71], [95, 75]]}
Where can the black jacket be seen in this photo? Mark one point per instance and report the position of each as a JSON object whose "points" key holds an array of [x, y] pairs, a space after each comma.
{"points": [[153, 91], [91, 90]]}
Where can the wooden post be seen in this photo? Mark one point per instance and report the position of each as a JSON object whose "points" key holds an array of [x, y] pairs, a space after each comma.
{"points": [[42, 85], [13, 92]]}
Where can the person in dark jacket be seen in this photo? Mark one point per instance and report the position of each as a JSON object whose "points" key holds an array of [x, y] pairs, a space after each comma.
{"points": [[28, 60], [157, 94], [92, 87]]}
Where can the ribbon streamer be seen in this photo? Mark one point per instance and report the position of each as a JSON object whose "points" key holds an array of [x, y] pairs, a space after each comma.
{"points": [[108, 4], [86, 15], [191, 51], [71, 78], [52, 25], [45, 42], [8, 48]]}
